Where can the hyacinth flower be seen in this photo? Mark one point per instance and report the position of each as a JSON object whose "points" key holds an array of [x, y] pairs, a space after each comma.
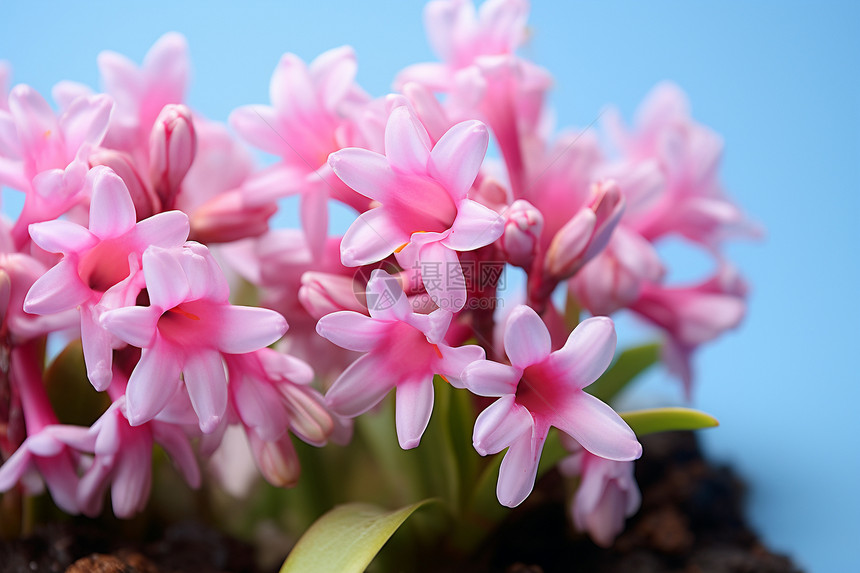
{"points": [[183, 333], [424, 213], [606, 496], [308, 120], [541, 389], [101, 264], [122, 460], [403, 350], [271, 395]]}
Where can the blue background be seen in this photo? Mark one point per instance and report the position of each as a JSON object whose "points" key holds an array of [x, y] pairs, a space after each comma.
{"points": [[779, 80]]}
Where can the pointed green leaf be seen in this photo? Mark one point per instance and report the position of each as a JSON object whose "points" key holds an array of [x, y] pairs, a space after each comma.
{"points": [[667, 419], [346, 539], [630, 364]]}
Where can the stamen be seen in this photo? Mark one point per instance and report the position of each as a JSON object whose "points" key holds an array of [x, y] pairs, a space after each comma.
{"points": [[184, 313]]}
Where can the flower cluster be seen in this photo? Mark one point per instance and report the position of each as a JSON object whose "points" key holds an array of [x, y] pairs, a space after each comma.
{"points": [[138, 209]]}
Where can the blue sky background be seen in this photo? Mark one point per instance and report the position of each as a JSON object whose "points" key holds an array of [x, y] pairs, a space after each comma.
{"points": [[779, 80]]}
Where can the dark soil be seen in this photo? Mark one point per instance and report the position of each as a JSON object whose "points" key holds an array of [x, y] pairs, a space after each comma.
{"points": [[691, 521]]}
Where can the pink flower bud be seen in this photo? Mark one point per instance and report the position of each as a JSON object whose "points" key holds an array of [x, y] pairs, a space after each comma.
{"points": [[228, 217], [587, 233], [277, 460], [324, 293], [146, 202], [172, 147], [523, 226]]}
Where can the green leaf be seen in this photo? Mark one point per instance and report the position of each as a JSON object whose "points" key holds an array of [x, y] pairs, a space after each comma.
{"points": [[667, 419], [630, 364], [346, 539]]}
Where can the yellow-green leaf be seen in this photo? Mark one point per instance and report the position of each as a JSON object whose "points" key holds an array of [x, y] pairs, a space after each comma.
{"points": [[346, 539], [629, 364], [667, 419]]}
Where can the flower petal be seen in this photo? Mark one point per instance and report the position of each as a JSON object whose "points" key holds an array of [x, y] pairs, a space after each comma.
{"points": [[596, 426], [370, 238], [407, 145], [135, 325], [111, 208], [500, 425], [246, 329], [98, 354], [587, 353], [455, 360], [519, 469], [206, 382], [166, 280], [152, 383], [361, 386], [475, 226], [527, 339], [488, 378], [457, 156], [352, 330], [413, 406], [365, 172], [59, 289], [61, 236]]}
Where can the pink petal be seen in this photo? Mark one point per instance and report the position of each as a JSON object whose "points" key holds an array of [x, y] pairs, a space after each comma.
{"points": [[111, 208], [407, 145], [61, 236], [136, 325], [587, 353], [518, 470], [310, 419], [59, 289], [457, 157], [361, 386], [386, 300], [364, 171], [34, 118], [527, 339], [15, 467], [98, 354], [488, 378], [455, 360], [166, 280], [168, 229], [206, 382], [313, 208], [596, 426], [413, 406], [259, 125], [370, 238], [449, 293], [120, 77], [85, 121], [174, 442], [475, 226], [334, 72], [501, 424], [260, 407], [132, 478], [352, 330], [166, 65], [152, 384], [246, 329], [65, 92], [291, 90]]}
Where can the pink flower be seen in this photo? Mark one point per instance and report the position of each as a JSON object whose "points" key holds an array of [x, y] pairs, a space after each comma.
{"points": [[142, 92], [45, 447], [541, 389], [172, 149], [607, 494], [459, 35], [305, 123], [100, 265], [123, 460], [403, 350], [271, 394], [521, 240], [184, 332], [424, 214], [693, 315]]}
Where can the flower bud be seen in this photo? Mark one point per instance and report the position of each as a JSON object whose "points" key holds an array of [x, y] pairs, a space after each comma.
{"points": [[228, 217], [523, 226], [172, 147], [587, 233], [146, 202], [324, 293], [277, 460]]}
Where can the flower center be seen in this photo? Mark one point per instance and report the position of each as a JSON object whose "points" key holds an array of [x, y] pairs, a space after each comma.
{"points": [[105, 265]]}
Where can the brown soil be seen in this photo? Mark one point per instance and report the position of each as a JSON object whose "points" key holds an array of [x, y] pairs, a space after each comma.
{"points": [[691, 521]]}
